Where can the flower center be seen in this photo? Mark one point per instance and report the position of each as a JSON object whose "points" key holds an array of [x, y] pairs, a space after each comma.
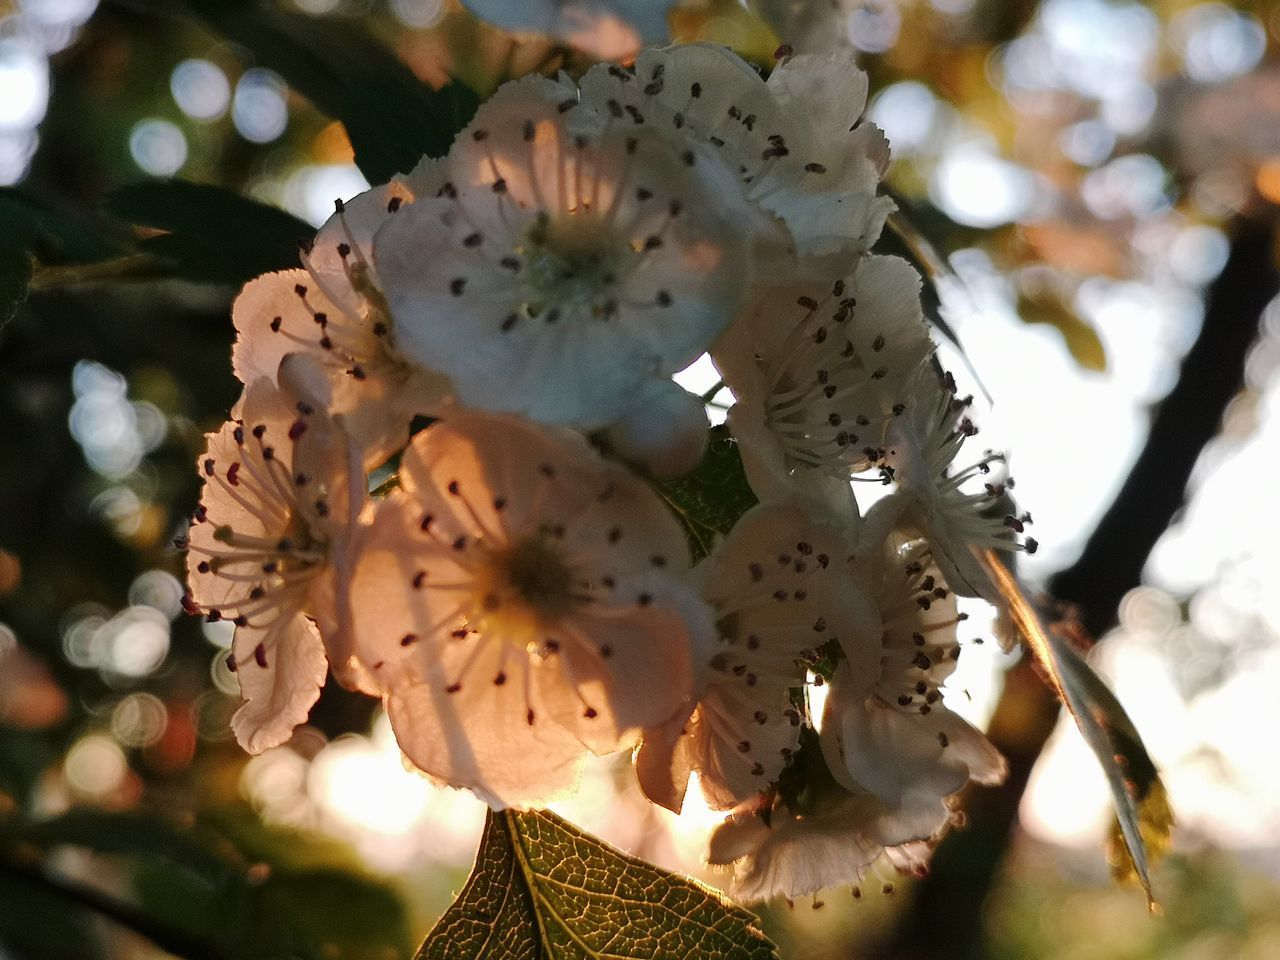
{"points": [[568, 263], [523, 589]]}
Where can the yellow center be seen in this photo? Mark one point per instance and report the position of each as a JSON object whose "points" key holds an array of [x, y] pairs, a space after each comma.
{"points": [[522, 590]]}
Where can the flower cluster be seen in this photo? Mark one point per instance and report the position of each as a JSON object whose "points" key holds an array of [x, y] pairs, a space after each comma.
{"points": [[519, 593]]}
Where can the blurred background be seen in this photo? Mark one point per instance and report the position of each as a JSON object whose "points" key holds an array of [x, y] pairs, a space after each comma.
{"points": [[1102, 176]]}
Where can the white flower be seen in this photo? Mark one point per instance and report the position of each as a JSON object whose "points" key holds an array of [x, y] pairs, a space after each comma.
{"points": [[796, 143], [340, 259], [885, 729], [335, 312], [607, 29], [793, 854], [562, 269], [820, 371], [283, 487], [920, 449], [779, 592], [522, 601]]}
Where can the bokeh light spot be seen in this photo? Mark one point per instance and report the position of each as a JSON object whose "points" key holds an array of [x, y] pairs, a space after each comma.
{"points": [[259, 109], [158, 147], [200, 89]]}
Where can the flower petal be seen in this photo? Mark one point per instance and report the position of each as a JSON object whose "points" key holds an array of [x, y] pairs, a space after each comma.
{"points": [[280, 671]]}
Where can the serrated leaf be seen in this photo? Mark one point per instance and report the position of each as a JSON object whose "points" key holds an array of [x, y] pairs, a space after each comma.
{"points": [[543, 890], [392, 118], [210, 234], [709, 501], [1131, 773]]}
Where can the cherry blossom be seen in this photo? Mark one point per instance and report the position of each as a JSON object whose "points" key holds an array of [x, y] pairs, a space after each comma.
{"points": [[819, 371], [522, 601], [830, 843], [779, 595], [963, 511], [885, 728], [796, 143], [562, 268], [269, 543], [335, 311]]}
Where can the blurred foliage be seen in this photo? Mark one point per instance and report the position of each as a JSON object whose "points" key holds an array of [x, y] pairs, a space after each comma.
{"points": [[709, 501]]}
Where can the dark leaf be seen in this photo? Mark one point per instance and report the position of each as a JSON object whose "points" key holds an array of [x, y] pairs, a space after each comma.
{"points": [[32, 235], [38, 924], [709, 501], [210, 234], [1136, 789], [392, 118], [543, 890], [134, 835], [184, 891], [53, 237]]}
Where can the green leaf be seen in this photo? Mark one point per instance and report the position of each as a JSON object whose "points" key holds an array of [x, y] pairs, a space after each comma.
{"points": [[32, 235], [127, 834], [53, 236], [1137, 793], [196, 886], [709, 501], [38, 924], [543, 890], [392, 118], [210, 234]]}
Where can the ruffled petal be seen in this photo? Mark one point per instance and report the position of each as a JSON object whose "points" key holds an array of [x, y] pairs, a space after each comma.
{"points": [[280, 671]]}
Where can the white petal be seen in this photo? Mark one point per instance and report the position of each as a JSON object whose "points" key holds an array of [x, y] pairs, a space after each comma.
{"points": [[563, 269], [797, 856], [340, 260], [280, 671], [276, 315]]}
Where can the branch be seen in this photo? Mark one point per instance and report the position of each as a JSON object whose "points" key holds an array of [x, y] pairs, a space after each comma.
{"points": [[1188, 418]]}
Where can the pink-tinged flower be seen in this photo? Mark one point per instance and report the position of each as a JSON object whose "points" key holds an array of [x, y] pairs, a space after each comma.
{"points": [[796, 144], [820, 371], [885, 728], [564, 266], [522, 602], [960, 512], [779, 592], [335, 312], [269, 543]]}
